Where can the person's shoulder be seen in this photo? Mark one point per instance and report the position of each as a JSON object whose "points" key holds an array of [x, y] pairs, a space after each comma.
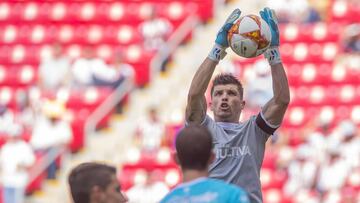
{"points": [[226, 186], [219, 183], [172, 196]]}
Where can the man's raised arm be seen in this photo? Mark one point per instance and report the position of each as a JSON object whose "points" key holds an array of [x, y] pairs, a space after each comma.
{"points": [[196, 103], [274, 110]]}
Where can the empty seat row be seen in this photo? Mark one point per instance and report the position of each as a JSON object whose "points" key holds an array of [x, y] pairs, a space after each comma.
{"points": [[102, 12], [309, 74], [298, 116], [310, 33], [321, 74], [325, 95], [19, 77], [305, 52], [69, 33]]}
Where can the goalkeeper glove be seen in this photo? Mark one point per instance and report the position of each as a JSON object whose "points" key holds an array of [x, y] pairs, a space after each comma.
{"points": [[272, 54], [221, 42]]}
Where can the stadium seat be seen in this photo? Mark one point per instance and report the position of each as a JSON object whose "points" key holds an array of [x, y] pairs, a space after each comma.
{"points": [[344, 12], [4, 11], [273, 196], [355, 114]]}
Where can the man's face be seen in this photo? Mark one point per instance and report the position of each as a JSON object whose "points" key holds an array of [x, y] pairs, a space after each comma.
{"points": [[227, 103], [113, 194]]}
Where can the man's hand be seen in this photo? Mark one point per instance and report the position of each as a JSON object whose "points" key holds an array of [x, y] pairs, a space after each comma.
{"points": [[221, 38], [269, 16], [272, 54], [221, 41]]}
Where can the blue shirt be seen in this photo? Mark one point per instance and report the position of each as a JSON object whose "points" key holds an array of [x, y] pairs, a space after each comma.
{"points": [[206, 190]]}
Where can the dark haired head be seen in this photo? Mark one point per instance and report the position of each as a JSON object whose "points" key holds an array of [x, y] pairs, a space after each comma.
{"points": [[85, 176], [225, 79], [193, 147]]}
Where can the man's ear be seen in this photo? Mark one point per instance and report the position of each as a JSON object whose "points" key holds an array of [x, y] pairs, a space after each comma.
{"points": [[211, 106], [95, 194], [242, 104], [176, 158]]}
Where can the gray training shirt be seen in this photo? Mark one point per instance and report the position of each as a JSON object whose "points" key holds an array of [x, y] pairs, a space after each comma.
{"points": [[239, 151]]}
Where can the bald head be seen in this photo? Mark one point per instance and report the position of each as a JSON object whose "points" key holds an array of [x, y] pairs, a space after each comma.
{"points": [[193, 147]]}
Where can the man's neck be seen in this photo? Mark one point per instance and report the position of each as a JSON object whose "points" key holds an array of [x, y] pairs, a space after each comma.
{"points": [[190, 174], [227, 120]]}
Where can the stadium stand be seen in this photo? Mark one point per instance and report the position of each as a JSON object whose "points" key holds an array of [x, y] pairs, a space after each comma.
{"points": [[325, 90], [28, 29]]}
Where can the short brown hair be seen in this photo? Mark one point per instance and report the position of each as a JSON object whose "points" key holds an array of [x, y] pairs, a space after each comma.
{"points": [[193, 147], [225, 79], [85, 176]]}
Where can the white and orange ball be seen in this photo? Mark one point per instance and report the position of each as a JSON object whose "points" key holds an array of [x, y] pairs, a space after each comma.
{"points": [[250, 36]]}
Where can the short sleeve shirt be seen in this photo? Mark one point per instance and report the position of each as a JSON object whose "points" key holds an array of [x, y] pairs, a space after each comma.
{"points": [[239, 151]]}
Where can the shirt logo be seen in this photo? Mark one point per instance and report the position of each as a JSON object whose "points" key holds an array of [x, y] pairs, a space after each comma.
{"points": [[224, 152]]}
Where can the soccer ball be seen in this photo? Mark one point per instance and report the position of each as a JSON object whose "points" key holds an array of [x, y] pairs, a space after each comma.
{"points": [[250, 36]]}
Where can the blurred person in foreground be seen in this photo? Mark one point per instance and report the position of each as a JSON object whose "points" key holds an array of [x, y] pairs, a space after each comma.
{"points": [[95, 183], [51, 132], [16, 157], [194, 155], [239, 146]]}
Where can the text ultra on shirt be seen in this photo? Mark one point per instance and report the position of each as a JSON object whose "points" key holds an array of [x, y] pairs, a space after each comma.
{"points": [[206, 190], [239, 150]]}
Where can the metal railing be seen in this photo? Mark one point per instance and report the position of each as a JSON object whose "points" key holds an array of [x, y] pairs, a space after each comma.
{"points": [[45, 162], [106, 107]]}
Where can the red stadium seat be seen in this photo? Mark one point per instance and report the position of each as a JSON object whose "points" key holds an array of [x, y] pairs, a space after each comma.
{"points": [[5, 11], [355, 114], [273, 196], [7, 97], [8, 34], [77, 125], [344, 11], [272, 179], [57, 12]]}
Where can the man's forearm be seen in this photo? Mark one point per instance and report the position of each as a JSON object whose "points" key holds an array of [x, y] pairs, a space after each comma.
{"points": [[280, 84], [202, 78]]}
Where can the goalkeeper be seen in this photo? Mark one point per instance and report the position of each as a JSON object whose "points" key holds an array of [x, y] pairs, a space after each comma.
{"points": [[239, 146]]}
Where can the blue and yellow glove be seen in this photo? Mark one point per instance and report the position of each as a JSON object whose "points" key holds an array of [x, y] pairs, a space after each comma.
{"points": [[272, 54], [221, 42]]}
